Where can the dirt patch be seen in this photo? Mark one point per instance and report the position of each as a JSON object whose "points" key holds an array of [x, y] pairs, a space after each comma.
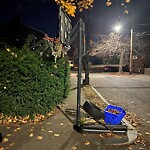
{"points": [[93, 97]]}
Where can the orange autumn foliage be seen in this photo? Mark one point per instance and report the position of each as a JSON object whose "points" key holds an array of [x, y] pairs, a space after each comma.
{"points": [[70, 6]]}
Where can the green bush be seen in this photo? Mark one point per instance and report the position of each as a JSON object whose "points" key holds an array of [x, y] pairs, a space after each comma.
{"points": [[29, 85]]}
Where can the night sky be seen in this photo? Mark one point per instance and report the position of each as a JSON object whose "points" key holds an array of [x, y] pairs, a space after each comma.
{"points": [[104, 18], [40, 13]]}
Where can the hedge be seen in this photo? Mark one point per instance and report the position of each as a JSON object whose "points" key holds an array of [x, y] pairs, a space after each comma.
{"points": [[29, 85]]}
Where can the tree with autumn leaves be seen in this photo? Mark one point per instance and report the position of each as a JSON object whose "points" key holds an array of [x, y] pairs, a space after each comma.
{"points": [[70, 6]]}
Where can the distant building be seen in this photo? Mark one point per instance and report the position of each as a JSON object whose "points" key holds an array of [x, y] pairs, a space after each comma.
{"points": [[137, 64]]}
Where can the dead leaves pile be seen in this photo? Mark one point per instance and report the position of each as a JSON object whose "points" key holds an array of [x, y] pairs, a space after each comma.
{"points": [[140, 140], [37, 118], [132, 118]]}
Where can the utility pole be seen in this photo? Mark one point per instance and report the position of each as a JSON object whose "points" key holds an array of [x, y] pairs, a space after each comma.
{"points": [[121, 61], [131, 50], [131, 44]]}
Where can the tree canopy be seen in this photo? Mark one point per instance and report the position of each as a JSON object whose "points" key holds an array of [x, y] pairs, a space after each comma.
{"points": [[70, 6], [110, 47]]}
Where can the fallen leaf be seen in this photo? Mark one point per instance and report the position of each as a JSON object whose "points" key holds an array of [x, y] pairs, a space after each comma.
{"points": [[36, 120], [73, 148], [7, 127], [31, 130], [108, 3], [31, 135], [87, 143], [138, 141], [134, 124], [127, 1], [11, 144], [39, 138], [147, 133], [9, 121], [101, 136], [56, 135], [50, 131], [49, 114], [130, 148], [8, 135], [109, 134], [5, 139], [24, 121]]}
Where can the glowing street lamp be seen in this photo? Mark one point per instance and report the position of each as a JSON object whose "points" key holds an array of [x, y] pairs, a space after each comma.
{"points": [[117, 28]]}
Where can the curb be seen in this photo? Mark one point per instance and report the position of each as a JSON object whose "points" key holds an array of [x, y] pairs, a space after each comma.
{"points": [[132, 134]]}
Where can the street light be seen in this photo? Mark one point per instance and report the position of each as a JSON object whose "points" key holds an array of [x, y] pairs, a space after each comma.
{"points": [[118, 27]]}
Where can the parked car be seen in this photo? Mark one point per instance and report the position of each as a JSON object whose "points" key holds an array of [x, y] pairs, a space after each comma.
{"points": [[111, 69]]}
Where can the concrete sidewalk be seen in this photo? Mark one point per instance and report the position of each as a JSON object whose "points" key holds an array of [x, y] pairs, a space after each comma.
{"points": [[57, 133]]}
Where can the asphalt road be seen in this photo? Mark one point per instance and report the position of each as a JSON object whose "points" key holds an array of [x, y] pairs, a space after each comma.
{"points": [[132, 92]]}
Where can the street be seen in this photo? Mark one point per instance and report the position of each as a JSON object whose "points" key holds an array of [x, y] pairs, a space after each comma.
{"points": [[132, 92]]}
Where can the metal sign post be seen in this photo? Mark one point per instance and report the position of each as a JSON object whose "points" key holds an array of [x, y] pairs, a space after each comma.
{"points": [[80, 50], [79, 31]]}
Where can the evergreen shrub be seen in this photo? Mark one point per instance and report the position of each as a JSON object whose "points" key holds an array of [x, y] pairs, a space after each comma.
{"points": [[28, 84]]}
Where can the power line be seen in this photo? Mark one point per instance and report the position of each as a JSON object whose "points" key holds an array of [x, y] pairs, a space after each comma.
{"points": [[143, 24]]}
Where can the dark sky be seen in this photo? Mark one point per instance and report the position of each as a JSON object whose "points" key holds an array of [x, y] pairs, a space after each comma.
{"points": [[104, 18], [40, 13]]}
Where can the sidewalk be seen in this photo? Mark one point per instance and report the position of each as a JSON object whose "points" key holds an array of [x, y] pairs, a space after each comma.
{"points": [[57, 133]]}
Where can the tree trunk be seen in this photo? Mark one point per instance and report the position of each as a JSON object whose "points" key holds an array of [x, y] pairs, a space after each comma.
{"points": [[121, 62]]}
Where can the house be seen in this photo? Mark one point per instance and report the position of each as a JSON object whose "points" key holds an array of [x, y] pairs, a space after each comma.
{"points": [[137, 64]]}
